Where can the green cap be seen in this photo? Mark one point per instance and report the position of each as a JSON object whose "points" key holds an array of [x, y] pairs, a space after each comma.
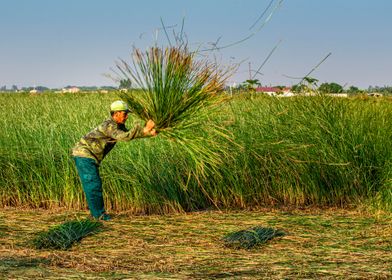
{"points": [[119, 106]]}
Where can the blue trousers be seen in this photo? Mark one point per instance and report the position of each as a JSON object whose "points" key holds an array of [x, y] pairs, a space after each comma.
{"points": [[92, 184]]}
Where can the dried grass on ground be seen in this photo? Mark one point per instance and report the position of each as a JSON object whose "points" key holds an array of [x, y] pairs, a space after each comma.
{"points": [[320, 244]]}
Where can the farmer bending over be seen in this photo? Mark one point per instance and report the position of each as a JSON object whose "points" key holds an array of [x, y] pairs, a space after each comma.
{"points": [[95, 145]]}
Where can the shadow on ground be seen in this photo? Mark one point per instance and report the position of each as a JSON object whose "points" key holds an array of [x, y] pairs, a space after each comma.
{"points": [[22, 262]]}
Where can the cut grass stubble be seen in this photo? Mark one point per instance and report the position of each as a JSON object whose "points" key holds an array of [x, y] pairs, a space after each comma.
{"points": [[320, 244]]}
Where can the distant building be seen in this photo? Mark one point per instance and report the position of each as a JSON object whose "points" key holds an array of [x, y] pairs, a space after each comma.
{"points": [[375, 94], [272, 91], [71, 89], [337, 94], [36, 90]]}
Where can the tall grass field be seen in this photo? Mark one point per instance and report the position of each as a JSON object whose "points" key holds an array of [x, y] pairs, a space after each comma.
{"points": [[301, 151]]}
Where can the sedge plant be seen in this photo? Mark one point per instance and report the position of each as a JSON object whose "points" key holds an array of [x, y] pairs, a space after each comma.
{"points": [[179, 93], [300, 151]]}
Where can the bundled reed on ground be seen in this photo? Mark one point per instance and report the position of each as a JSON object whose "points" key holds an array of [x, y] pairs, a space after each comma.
{"points": [[251, 238], [63, 236]]}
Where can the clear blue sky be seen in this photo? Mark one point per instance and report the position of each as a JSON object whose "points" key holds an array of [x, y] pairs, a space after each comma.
{"points": [[56, 43]]}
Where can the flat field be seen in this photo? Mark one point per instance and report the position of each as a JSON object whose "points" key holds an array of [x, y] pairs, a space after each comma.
{"points": [[320, 244], [320, 156]]}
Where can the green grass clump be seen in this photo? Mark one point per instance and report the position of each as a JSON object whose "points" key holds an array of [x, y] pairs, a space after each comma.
{"points": [[179, 93], [65, 235], [251, 238], [175, 87]]}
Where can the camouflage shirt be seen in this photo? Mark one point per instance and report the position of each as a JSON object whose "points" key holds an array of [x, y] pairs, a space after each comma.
{"points": [[100, 141]]}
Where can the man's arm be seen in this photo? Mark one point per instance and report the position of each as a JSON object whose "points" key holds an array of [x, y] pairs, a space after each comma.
{"points": [[113, 132], [137, 131]]}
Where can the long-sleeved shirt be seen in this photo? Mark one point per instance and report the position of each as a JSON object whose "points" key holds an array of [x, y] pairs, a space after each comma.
{"points": [[100, 141]]}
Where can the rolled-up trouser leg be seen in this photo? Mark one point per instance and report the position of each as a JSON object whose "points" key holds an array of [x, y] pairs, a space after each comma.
{"points": [[92, 184]]}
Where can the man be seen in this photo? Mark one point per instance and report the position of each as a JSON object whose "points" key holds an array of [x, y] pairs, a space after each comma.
{"points": [[95, 145]]}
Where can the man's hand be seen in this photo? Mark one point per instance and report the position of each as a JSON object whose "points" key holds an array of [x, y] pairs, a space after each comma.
{"points": [[149, 129], [153, 132]]}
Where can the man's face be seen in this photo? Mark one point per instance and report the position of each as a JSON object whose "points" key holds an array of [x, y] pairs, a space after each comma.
{"points": [[120, 117]]}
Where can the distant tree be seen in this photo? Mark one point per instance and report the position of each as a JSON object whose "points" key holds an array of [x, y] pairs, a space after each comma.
{"points": [[299, 88], [308, 85], [354, 90], [125, 84], [14, 88], [311, 82], [386, 90], [88, 88], [330, 88], [41, 88], [251, 84], [3, 88], [108, 87]]}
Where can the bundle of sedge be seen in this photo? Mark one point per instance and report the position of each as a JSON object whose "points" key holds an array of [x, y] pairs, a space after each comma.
{"points": [[251, 238], [180, 94], [63, 236]]}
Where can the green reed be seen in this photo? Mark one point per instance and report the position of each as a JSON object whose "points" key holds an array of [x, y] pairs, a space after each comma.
{"points": [[319, 151]]}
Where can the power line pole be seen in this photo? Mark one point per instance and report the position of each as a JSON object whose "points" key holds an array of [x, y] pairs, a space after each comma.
{"points": [[250, 73]]}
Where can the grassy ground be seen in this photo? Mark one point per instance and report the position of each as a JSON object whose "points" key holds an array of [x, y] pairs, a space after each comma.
{"points": [[320, 244]]}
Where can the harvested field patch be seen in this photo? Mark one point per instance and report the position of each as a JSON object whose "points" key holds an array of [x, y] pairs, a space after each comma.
{"points": [[320, 244]]}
